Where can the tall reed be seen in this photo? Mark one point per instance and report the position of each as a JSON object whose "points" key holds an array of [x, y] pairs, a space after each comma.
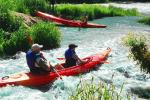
{"points": [[97, 91]]}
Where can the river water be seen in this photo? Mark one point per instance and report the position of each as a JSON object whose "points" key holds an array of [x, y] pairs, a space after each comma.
{"points": [[89, 41]]}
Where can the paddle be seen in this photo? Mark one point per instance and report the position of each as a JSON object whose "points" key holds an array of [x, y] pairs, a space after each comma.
{"points": [[80, 26], [56, 71]]}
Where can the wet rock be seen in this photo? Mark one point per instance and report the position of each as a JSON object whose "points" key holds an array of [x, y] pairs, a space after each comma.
{"points": [[142, 92]]}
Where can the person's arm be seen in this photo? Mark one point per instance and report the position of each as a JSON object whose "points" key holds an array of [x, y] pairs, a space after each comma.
{"points": [[40, 62], [42, 56], [78, 59]]}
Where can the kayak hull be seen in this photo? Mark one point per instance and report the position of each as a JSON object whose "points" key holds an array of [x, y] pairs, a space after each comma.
{"points": [[70, 23], [28, 79]]}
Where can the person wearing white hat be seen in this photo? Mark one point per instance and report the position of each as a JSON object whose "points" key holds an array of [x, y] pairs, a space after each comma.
{"points": [[36, 61]]}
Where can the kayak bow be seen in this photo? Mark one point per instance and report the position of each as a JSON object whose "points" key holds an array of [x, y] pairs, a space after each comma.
{"points": [[70, 23]]}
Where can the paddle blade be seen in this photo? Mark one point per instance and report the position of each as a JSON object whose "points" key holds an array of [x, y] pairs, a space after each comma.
{"points": [[105, 62]]}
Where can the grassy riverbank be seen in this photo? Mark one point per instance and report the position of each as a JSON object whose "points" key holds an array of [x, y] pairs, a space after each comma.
{"points": [[97, 1], [139, 50], [14, 29], [94, 11], [145, 20]]}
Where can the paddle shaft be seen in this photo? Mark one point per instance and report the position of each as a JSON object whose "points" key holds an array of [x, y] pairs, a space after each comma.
{"points": [[56, 71]]}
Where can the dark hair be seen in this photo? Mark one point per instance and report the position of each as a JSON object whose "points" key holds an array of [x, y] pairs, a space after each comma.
{"points": [[72, 46]]}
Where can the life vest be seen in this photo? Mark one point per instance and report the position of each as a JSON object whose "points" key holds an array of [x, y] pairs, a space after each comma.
{"points": [[70, 61], [31, 59]]}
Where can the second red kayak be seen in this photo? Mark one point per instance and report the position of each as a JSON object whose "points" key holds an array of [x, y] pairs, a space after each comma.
{"points": [[67, 22]]}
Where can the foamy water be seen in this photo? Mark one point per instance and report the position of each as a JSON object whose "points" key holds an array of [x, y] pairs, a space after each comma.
{"points": [[89, 41]]}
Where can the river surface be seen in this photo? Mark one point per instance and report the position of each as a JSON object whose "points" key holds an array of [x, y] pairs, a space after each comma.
{"points": [[89, 41]]}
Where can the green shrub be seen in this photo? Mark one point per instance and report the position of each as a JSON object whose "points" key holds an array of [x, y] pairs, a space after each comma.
{"points": [[139, 50], [2, 35], [6, 5], [9, 47], [1, 51], [35, 5], [21, 42], [21, 7], [17, 42], [145, 20], [8, 22], [46, 34], [42, 33]]}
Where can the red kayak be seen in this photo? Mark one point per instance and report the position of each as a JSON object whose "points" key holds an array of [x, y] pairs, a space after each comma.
{"points": [[67, 22], [28, 79]]}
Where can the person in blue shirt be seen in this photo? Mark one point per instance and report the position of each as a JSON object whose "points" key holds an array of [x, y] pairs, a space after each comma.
{"points": [[36, 61], [71, 57]]}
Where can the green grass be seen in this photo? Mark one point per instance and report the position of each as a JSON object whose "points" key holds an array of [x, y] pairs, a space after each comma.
{"points": [[145, 20], [35, 5], [82, 1], [17, 42], [94, 11], [97, 91], [43, 33], [8, 22], [12, 29], [139, 50], [46, 34], [24, 6]]}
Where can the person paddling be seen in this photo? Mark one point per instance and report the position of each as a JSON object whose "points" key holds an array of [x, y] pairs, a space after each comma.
{"points": [[71, 57], [36, 61], [85, 20]]}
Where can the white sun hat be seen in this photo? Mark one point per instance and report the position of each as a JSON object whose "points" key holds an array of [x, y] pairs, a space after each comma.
{"points": [[36, 46]]}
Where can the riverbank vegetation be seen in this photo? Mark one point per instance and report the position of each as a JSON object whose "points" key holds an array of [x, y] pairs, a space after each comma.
{"points": [[42, 33], [139, 50], [145, 20], [95, 11], [16, 27], [97, 1], [100, 91]]}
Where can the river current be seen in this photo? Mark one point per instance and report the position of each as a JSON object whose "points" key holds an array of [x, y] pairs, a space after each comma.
{"points": [[89, 41]]}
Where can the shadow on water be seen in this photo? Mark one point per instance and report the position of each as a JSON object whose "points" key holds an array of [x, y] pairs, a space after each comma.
{"points": [[43, 88], [142, 92]]}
